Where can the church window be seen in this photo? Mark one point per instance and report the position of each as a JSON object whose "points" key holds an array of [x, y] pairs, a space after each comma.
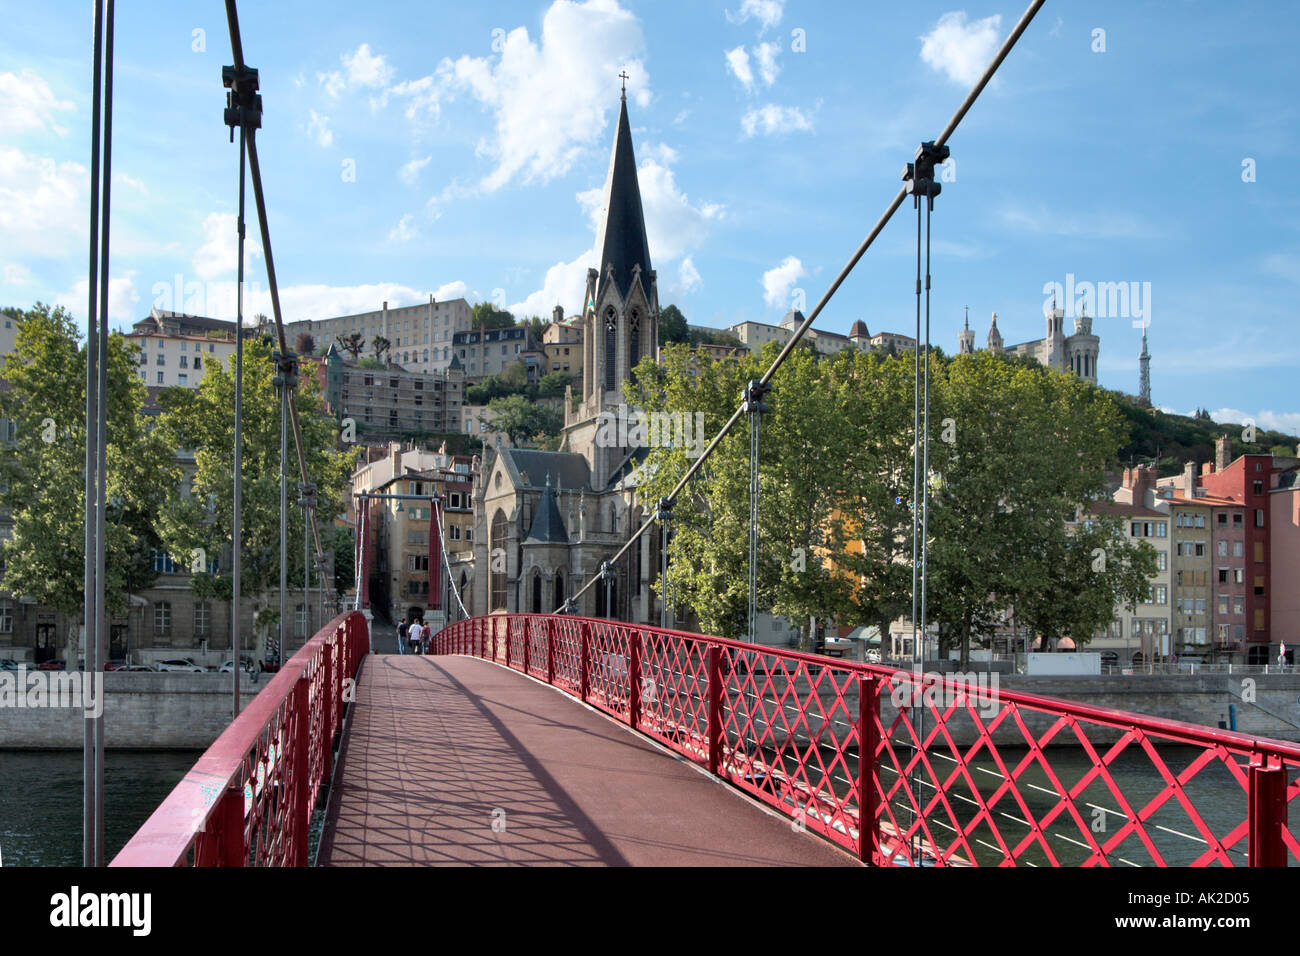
{"points": [[496, 561], [537, 592], [611, 338], [634, 339]]}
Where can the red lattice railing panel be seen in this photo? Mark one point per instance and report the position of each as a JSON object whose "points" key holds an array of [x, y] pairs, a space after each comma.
{"points": [[956, 772]]}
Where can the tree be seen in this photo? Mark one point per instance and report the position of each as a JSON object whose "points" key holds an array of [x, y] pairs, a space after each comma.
{"points": [[304, 344], [485, 316], [522, 420], [672, 325], [553, 384], [200, 517], [354, 344], [42, 469], [536, 324], [379, 345]]}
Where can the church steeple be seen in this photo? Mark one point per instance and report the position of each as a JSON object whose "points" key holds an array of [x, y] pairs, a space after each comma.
{"points": [[622, 241], [1144, 373]]}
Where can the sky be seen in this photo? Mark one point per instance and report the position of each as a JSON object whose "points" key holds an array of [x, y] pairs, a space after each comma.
{"points": [[411, 148]]}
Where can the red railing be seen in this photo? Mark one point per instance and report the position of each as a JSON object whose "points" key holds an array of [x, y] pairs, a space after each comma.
{"points": [[959, 772], [250, 798]]}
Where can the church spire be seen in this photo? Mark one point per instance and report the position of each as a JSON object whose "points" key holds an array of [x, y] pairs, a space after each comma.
{"points": [[622, 241], [1144, 375]]}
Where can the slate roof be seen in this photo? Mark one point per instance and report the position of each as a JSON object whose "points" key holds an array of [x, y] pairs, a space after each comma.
{"points": [[568, 469], [548, 526], [622, 241]]}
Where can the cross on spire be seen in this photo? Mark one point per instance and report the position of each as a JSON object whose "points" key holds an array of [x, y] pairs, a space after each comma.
{"points": [[624, 77]]}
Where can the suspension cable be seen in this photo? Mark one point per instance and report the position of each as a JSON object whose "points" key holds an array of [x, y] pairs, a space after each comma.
{"points": [[1021, 25], [259, 199]]}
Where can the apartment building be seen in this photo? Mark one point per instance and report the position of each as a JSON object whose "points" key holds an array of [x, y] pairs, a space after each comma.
{"points": [[563, 347], [175, 349], [392, 402], [487, 352], [757, 334], [399, 528], [419, 336]]}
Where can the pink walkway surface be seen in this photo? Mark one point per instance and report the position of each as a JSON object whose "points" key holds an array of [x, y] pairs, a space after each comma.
{"points": [[455, 761]]}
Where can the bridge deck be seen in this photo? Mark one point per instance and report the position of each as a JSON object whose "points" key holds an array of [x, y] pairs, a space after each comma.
{"points": [[442, 748]]}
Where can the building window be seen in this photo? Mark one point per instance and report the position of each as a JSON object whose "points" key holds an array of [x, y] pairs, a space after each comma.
{"points": [[1259, 517], [6, 617], [183, 379], [1223, 549], [1162, 560], [497, 561], [1258, 487], [1223, 604], [1160, 529], [1238, 549], [1237, 520], [162, 618], [160, 378], [1223, 575], [1223, 519], [185, 359], [202, 619], [1162, 594], [300, 624], [1238, 605]]}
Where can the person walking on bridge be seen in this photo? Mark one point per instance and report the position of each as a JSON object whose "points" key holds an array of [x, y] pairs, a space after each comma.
{"points": [[414, 634], [401, 636]]}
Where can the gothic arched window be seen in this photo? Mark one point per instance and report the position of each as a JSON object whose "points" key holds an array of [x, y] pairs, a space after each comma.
{"points": [[559, 590], [537, 592], [611, 350], [497, 562], [634, 340]]}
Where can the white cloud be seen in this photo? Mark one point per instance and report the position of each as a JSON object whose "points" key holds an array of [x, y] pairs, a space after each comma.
{"points": [[17, 274], [28, 105], [958, 49], [1040, 220], [43, 205], [662, 153], [549, 97], [766, 12], [1288, 422], [778, 281], [122, 179], [410, 172], [563, 285], [738, 66], [218, 256], [366, 69], [318, 128], [768, 68], [688, 277], [405, 229], [122, 297], [772, 119], [332, 82], [452, 290], [673, 225]]}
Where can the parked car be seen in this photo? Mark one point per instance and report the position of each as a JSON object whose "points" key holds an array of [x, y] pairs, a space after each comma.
{"points": [[55, 664], [181, 664], [8, 665], [139, 667], [229, 666], [118, 665]]}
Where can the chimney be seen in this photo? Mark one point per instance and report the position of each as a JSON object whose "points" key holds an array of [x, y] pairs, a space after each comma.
{"points": [[1189, 480], [1128, 477], [557, 314], [1222, 452], [1207, 468], [1144, 480]]}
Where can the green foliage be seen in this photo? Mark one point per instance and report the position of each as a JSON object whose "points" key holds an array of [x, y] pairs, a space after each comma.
{"points": [[522, 420], [487, 316], [200, 516], [553, 384], [1016, 452], [43, 469], [672, 325], [511, 380], [369, 362]]}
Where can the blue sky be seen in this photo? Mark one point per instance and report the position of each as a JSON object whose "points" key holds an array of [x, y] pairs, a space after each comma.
{"points": [[770, 135]]}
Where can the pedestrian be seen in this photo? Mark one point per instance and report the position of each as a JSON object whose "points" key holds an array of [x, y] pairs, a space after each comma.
{"points": [[424, 637], [413, 634], [401, 636]]}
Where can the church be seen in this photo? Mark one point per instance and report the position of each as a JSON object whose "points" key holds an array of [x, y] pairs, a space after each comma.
{"points": [[545, 521], [1075, 353]]}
